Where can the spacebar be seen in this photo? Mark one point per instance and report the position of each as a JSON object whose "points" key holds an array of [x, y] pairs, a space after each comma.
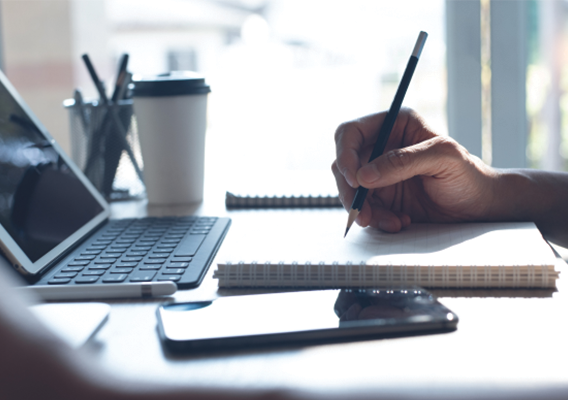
{"points": [[188, 247]]}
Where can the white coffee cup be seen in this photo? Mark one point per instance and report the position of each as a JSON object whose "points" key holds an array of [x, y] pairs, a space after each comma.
{"points": [[171, 113]]}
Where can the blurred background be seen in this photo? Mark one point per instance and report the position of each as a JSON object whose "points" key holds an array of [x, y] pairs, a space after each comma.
{"points": [[285, 73]]}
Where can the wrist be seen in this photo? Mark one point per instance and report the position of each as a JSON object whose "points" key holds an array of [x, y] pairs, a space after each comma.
{"points": [[532, 195], [510, 202]]}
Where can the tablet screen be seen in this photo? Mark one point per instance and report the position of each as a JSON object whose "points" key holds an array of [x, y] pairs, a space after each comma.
{"points": [[42, 200]]}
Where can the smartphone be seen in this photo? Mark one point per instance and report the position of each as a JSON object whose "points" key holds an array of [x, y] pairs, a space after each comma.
{"points": [[301, 318]]}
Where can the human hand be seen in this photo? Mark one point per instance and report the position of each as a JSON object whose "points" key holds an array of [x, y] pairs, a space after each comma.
{"points": [[421, 177]]}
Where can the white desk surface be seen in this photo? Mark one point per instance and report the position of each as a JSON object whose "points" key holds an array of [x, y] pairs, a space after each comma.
{"points": [[501, 342]]}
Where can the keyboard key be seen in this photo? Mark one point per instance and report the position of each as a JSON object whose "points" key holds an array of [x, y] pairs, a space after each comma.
{"points": [[162, 251], [150, 236], [157, 256], [173, 271], [59, 281], [173, 278], [167, 246], [87, 257], [155, 261], [72, 269], [131, 235], [94, 272], [121, 270], [131, 259], [115, 278], [100, 266], [86, 279], [205, 223], [65, 275], [150, 267], [178, 231], [136, 254], [170, 241], [142, 276], [141, 241], [153, 235], [78, 263], [181, 259], [178, 265], [96, 247], [118, 252], [91, 251], [105, 261], [174, 236], [199, 232], [115, 231], [126, 264], [110, 255]]}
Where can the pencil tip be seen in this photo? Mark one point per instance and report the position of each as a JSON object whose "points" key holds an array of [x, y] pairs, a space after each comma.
{"points": [[352, 215]]}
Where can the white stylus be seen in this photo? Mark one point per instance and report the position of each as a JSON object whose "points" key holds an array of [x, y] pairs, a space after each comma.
{"points": [[109, 291]]}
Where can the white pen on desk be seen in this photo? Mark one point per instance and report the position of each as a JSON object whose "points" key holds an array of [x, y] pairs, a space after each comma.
{"points": [[108, 291]]}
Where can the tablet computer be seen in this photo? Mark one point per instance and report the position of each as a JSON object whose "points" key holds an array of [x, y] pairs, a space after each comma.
{"points": [[301, 318]]}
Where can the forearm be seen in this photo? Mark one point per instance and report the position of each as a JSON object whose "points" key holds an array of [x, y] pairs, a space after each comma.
{"points": [[532, 195], [34, 363]]}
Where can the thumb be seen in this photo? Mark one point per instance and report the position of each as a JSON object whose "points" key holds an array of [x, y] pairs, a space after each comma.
{"points": [[433, 157]]}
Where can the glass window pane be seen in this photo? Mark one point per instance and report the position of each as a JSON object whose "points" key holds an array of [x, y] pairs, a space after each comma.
{"points": [[284, 73]]}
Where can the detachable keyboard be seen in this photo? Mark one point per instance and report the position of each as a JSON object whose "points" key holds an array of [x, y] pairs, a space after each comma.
{"points": [[178, 249]]}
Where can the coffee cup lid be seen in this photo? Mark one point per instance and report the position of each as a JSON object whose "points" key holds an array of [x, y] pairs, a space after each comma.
{"points": [[174, 83]]}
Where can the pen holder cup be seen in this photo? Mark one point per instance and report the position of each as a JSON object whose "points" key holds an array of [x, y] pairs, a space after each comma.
{"points": [[105, 146]]}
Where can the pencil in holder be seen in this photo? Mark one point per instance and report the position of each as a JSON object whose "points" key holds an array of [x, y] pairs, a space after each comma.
{"points": [[105, 146]]}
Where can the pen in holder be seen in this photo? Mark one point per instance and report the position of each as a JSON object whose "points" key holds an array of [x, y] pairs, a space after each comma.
{"points": [[105, 145]]}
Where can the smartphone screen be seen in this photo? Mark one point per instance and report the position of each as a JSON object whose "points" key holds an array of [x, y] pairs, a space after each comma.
{"points": [[302, 318]]}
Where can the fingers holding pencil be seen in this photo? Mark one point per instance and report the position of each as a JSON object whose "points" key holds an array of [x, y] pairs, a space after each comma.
{"points": [[375, 211], [353, 142]]}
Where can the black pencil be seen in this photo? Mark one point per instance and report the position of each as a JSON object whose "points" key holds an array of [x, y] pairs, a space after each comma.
{"points": [[387, 126], [98, 84], [120, 78]]}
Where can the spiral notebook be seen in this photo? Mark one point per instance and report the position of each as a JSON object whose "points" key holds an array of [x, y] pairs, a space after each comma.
{"points": [[464, 255], [284, 189]]}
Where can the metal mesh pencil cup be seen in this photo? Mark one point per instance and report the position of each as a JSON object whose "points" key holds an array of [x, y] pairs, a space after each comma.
{"points": [[105, 146]]}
